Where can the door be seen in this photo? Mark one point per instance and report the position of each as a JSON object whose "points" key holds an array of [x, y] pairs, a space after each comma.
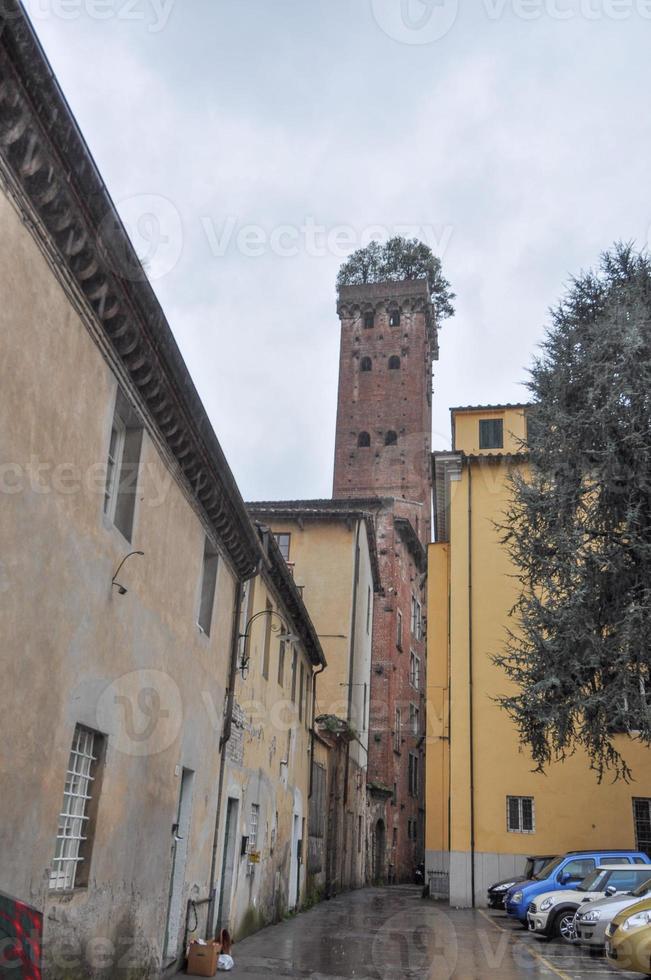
{"points": [[294, 865], [180, 834], [228, 865]]}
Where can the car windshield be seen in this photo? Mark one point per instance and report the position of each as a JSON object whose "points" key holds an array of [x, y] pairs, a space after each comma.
{"points": [[548, 870], [594, 882], [642, 889]]}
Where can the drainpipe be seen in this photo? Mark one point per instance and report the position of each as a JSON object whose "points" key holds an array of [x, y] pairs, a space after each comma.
{"points": [[470, 692], [315, 674], [226, 734]]}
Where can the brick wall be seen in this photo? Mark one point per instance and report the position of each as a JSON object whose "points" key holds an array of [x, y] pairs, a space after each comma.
{"points": [[381, 401]]}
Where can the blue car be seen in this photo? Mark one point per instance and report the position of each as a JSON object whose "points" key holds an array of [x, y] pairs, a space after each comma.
{"points": [[564, 872]]}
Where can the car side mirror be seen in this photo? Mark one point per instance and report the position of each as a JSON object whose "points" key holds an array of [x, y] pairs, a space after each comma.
{"points": [[564, 878], [611, 890]]}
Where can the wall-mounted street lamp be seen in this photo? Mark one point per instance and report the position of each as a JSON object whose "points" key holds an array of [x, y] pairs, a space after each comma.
{"points": [[281, 630], [122, 590]]}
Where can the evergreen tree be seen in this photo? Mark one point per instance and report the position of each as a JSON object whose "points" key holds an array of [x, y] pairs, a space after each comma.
{"points": [[579, 527], [398, 259]]}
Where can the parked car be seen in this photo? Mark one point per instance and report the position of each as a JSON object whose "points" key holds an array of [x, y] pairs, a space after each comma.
{"points": [[552, 913], [593, 918], [565, 872], [534, 864], [628, 939]]}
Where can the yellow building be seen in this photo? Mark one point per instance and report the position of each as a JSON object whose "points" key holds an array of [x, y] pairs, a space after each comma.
{"points": [[486, 808], [330, 548]]}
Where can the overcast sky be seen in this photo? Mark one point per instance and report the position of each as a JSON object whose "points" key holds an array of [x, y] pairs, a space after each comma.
{"points": [[251, 144]]}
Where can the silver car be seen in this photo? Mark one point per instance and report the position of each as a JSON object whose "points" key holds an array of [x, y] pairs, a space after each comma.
{"points": [[593, 918]]}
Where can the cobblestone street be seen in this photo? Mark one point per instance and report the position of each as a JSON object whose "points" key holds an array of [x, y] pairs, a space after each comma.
{"points": [[392, 934]]}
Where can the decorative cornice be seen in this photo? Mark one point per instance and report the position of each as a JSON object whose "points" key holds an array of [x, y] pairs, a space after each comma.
{"points": [[54, 180]]}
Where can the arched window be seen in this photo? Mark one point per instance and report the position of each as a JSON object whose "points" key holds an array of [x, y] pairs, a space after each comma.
{"points": [[391, 438], [363, 440], [394, 363], [366, 364], [369, 320], [394, 318]]}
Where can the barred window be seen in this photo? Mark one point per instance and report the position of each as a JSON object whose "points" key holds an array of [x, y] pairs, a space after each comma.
{"points": [[642, 817], [520, 815], [76, 824], [414, 670]]}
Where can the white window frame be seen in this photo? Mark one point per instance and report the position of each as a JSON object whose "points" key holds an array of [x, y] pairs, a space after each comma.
{"points": [[73, 818], [520, 828], [414, 670], [397, 734], [414, 718], [208, 587], [399, 630], [114, 467]]}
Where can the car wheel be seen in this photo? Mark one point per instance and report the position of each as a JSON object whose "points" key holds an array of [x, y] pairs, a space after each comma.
{"points": [[564, 926]]}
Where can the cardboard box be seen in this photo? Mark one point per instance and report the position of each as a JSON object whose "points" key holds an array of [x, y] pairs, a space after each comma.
{"points": [[202, 960]]}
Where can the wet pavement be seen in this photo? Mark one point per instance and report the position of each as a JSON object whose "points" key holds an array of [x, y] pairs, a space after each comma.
{"points": [[394, 934]]}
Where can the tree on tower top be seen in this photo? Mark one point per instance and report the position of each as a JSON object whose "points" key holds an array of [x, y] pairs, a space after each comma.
{"points": [[396, 260]]}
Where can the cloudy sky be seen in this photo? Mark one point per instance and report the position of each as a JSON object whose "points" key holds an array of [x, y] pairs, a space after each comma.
{"points": [[251, 144]]}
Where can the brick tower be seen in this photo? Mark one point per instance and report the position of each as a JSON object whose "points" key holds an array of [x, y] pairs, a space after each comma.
{"points": [[382, 448]]}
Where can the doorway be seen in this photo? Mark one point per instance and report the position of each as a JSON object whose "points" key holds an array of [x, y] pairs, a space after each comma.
{"points": [[180, 835], [294, 865], [228, 865], [379, 847]]}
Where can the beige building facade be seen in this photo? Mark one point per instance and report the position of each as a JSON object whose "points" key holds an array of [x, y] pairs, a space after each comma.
{"points": [[129, 567]]}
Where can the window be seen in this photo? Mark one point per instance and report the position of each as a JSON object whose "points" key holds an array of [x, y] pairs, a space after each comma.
{"points": [[294, 665], [391, 438], [283, 541], [253, 833], [122, 466], [366, 364], [267, 641], [363, 440], [642, 818], [414, 670], [414, 719], [491, 433], [397, 741], [74, 841], [208, 584], [368, 611], [416, 619], [395, 836], [394, 363], [399, 630], [394, 318], [579, 869], [281, 663], [369, 320], [520, 814], [413, 774]]}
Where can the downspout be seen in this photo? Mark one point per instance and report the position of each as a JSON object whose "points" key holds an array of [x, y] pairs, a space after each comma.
{"points": [[470, 693], [315, 674], [225, 736]]}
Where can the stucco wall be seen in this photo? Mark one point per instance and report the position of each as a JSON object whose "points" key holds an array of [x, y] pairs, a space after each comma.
{"points": [[72, 645]]}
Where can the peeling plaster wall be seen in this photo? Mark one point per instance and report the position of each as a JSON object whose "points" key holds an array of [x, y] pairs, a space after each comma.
{"points": [[72, 645]]}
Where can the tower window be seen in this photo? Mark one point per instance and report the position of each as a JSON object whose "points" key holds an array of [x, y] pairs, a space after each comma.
{"points": [[366, 364], [364, 440], [491, 433], [369, 320], [394, 318], [391, 438], [394, 363]]}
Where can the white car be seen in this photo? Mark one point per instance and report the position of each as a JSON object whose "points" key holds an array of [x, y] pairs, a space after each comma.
{"points": [[593, 918], [552, 913]]}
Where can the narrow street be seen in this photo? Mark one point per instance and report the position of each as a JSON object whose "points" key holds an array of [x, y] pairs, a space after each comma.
{"points": [[392, 934]]}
